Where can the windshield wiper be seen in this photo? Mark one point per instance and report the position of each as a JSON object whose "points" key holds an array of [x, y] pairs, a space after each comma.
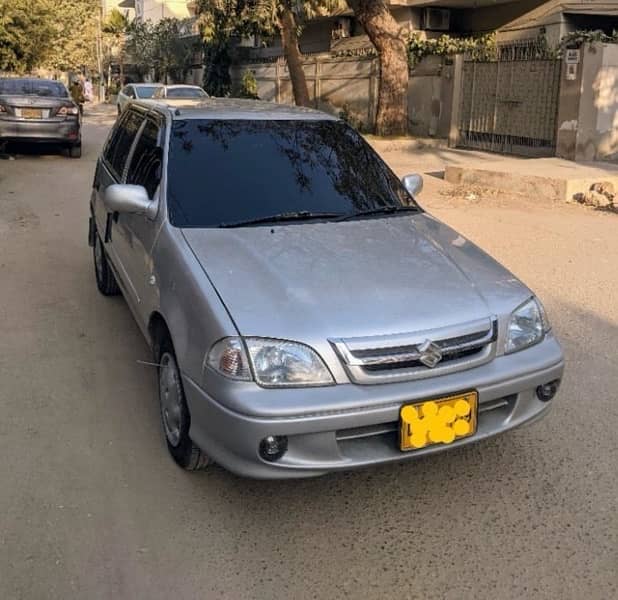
{"points": [[382, 210], [302, 215]]}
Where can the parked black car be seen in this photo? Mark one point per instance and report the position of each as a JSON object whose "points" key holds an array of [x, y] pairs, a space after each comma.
{"points": [[39, 110]]}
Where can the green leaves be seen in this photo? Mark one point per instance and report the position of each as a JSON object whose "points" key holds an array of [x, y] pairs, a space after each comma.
{"points": [[580, 37], [160, 47], [478, 48], [116, 23], [59, 34], [26, 33]]}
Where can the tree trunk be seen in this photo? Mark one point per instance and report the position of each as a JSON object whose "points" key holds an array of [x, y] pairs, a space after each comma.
{"points": [[120, 46], [386, 35], [289, 41]]}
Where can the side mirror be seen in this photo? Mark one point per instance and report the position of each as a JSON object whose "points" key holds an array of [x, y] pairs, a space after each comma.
{"points": [[125, 198], [413, 184]]}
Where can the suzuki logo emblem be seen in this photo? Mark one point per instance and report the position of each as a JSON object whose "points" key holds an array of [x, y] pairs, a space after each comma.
{"points": [[430, 354]]}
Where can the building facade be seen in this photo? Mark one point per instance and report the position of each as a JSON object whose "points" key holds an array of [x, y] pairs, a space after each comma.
{"points": [[155, 10], [512, 20]]}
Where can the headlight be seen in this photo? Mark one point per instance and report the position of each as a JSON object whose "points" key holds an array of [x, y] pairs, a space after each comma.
{"points": [[275, 363], [527, 326]]}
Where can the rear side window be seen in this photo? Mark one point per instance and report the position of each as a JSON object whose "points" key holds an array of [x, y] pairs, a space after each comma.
{"points": [[117, 149], [145, 167]]}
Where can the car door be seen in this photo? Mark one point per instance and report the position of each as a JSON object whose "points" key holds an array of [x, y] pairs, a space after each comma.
{"points": [[135, 235], [111, 169]]}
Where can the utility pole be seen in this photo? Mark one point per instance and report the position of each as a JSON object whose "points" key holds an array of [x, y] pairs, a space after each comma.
{"points": [[100, 52]]}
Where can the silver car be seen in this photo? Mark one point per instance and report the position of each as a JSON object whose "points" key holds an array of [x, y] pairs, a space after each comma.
{"points": [[305, 314], [39, 111], [180, 91], [135, 91]]}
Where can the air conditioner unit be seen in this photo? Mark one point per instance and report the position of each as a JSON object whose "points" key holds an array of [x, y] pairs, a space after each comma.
{"points": [[342, 28], [436, 19]]}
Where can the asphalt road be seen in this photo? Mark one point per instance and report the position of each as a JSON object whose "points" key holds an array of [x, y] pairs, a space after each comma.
{"points": [[92, 507]]}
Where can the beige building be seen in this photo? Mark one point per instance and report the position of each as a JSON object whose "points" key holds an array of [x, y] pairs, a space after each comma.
{"points": [[555, 19], [155, 10]]}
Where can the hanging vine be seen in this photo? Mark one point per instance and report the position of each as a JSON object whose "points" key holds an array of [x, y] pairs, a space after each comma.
{"points": [[483, 47], [580, 37]]}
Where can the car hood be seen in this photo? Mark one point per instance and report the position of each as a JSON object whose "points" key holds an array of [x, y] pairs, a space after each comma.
{"points": [[354, 278]]}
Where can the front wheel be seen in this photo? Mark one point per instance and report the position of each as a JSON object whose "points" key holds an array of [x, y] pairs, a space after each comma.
{"points": [[175, 415]]}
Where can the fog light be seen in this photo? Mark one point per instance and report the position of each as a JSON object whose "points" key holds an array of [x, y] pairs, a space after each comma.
{"points": [[547, 391], [273, 447]]}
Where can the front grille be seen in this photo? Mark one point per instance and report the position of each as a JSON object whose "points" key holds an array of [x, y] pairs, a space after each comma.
{"points": [[403, 356]]}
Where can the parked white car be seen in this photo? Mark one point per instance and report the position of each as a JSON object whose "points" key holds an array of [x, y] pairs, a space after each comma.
{"points": [[136, 91], [180, 95]]}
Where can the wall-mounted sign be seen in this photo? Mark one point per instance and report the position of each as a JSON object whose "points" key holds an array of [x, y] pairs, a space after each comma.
{"points": [[572, 56], [571, 71]]}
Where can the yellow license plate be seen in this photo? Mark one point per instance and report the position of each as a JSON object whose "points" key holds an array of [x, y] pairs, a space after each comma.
{"points": [[439, 421], [31, 113]]}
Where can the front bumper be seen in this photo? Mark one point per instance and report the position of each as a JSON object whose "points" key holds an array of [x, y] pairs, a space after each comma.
{"points": [[321, 441], [31, 130]]}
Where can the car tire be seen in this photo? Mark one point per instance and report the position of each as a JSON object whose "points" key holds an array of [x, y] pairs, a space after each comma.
{"points": [[106, 281], [175, 417], [75, 151]]}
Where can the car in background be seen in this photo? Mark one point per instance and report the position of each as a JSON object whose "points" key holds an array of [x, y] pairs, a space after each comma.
{"points": [[136, 91], [180, 95], [306, 315], [39, 110]]}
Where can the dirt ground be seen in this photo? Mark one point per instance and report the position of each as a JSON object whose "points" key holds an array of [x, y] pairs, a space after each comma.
{"points": [[92, 507]]}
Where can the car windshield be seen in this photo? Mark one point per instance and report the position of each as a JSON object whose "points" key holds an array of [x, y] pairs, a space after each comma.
{"points": [[146, 91], [185, 92], [231, 171], [33, 87]]}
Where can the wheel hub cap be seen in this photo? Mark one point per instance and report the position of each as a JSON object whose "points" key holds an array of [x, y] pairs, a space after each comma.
{"points": [[169, 392]]}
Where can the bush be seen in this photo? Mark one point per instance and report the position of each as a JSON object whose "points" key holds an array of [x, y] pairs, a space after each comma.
{"points": [[249, 86]]}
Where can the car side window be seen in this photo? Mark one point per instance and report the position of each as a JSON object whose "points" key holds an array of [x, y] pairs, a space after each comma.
{"points": [[145, 167], [131, 92], [112, 138], [119, 145], [125, 90]]}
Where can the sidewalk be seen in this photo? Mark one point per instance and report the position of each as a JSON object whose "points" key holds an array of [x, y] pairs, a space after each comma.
{"points": [[546, 179]]}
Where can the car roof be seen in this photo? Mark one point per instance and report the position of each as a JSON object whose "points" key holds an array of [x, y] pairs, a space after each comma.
{"points": [[138, 85], [181, 85], [237, 109]]}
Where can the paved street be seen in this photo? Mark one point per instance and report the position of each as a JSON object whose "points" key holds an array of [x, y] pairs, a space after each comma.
{"points": [[91, 507]]}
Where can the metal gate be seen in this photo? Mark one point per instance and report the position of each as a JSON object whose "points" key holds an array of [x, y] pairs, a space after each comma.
{"points": [[510, 105]]}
